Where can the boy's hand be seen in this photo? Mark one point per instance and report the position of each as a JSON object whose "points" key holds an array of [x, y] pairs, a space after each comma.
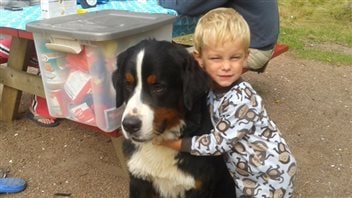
{"points": [[157, 140], [174, 144]]}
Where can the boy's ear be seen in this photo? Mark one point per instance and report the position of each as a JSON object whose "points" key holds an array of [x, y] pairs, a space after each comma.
{"points": [[247, 54], [246, 57], [197, 57]]}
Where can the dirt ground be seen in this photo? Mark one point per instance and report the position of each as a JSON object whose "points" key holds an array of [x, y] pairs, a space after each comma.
{"points": [[311, 102]]}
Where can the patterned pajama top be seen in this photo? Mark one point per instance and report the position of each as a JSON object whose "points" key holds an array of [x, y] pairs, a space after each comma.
{"points": [[256, 154]]}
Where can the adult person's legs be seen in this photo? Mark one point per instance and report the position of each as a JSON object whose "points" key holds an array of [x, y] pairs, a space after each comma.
{"points": [[38, 112], [258, 59]]}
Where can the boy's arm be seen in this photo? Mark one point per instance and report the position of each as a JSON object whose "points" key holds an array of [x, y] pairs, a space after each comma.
{"points": [[178, 145], [174, 144], [204, 145]]}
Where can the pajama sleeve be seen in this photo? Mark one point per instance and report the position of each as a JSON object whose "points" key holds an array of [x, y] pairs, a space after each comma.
{"points": [[237, 118]]}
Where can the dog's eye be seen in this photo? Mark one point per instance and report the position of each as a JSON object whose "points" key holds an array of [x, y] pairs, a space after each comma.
{"points": [[158, 89], [128, 86]]}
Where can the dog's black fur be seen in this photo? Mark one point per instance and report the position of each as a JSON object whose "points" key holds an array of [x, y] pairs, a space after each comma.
{"points": [[180, 87]]}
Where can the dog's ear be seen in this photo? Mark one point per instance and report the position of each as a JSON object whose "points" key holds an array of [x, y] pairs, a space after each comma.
{"points": [[117, 78], [195, 81]]}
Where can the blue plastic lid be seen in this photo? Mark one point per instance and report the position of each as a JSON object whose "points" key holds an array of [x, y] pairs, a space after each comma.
{"points": [[12, 185]]}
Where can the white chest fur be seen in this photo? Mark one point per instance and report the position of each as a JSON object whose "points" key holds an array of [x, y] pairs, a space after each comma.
{"points": [[158, 165]]}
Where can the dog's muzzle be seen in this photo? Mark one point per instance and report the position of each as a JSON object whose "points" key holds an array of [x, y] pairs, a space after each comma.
{"points": [[131, 124]]}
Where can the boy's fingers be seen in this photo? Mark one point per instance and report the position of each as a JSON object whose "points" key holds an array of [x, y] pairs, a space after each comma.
{"points": [[157, 141]]}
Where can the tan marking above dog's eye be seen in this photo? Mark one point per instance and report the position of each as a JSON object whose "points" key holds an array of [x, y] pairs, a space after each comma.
{"points": [[151, 79], [129, 78]]}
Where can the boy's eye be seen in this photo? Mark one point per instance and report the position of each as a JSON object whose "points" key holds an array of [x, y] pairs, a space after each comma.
{"points": [[214, 58], [236, 57]]}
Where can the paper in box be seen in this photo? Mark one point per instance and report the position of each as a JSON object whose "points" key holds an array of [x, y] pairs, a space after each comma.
{"points": [[78, 56], [77, 86]]}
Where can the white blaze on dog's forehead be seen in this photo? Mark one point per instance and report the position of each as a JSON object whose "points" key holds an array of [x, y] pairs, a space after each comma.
{"points": [[139, 72], [135, 105]]}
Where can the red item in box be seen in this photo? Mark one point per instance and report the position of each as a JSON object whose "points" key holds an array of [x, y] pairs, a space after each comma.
{"points": [[77, 61], [84, 114], [77, 85]]}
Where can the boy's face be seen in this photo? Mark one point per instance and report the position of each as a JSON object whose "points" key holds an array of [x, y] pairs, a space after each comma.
{"points": [[223, 62]]}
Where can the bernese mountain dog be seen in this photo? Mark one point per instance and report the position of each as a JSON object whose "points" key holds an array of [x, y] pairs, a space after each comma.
{"points": [[164, 93]]}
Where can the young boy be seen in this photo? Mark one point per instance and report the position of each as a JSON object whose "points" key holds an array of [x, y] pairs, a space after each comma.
{"points": [[256, 155]]}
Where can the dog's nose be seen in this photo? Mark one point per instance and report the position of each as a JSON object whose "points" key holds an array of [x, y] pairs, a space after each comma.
{"points": [[131, 124]]}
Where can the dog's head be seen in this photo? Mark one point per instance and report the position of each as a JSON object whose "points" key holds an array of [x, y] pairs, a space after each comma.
{"points": [[158, 82]]}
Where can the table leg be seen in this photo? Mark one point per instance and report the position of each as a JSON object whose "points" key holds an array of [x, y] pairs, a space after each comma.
{"points": [[18, 60]]}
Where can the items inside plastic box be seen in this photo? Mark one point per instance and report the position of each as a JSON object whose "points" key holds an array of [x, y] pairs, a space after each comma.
{"points": [[78, 86]]}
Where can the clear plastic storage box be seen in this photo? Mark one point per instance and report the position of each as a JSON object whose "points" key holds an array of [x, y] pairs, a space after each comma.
{"points": [[77, 55]]}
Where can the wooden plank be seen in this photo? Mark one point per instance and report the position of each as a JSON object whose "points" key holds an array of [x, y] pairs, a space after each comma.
{"points": [[11, 97], [185, 40], [16, 33], [21, 80], [279, 49]]}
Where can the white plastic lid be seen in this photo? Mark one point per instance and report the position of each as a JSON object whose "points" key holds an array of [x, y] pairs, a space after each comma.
{"points": [[101, 25]]}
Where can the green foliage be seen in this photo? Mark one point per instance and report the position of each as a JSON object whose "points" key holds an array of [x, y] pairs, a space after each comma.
{"points": [[306, 23]]}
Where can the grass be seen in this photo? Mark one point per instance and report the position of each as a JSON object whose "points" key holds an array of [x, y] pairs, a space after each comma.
{"points": [[308, 24]]}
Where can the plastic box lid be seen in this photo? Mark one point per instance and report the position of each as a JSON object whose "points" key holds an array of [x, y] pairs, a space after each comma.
{"points": [[101, 25]]}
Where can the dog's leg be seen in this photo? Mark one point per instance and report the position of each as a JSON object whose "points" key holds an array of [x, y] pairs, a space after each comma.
{"points": [[141, 189], [117, 143]]}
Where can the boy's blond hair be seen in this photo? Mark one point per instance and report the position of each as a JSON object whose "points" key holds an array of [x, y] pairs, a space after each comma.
{"points": [[221, 25]]}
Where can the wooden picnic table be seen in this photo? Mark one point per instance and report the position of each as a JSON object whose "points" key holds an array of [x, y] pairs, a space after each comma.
{"points": [[15, 77]]}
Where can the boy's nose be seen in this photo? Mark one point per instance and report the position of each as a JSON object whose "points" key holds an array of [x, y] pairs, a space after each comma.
{"points": [[226, 65]]}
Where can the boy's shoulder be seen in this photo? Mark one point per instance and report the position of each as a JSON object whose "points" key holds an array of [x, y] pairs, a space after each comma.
{"points": [[242, 84], [243, 88]]}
